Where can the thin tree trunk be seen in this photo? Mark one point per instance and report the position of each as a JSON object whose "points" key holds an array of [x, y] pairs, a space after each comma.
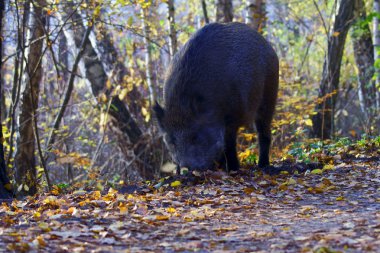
{"points": [[323, 121], [18, 69], [363, 52], [63, 57], [172, 29], [256, 14], [376, 42], [25, 161], [204, 9], [148, 56], [5, 186], [224, 11]]}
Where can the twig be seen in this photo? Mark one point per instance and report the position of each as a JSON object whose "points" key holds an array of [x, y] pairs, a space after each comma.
{"points": [[323, 20], [304, 57], [101, 140]]}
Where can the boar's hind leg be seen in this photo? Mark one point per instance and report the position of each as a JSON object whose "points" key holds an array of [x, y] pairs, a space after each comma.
{"points": [[264, 117], [230, 149], [263, 129], [263, 123]]}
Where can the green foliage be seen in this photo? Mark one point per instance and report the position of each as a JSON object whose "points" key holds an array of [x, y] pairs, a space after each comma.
{"points": [[305, 151], [318, 151]]}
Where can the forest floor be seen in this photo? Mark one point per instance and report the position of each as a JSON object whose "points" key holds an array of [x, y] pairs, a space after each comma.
{"points": [[333, 207]]}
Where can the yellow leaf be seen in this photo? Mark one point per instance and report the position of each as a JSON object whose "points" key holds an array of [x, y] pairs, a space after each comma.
{"points": [[175, 183], [44, 226], [188, 219], [123, 93], [245, 154], [328, 167], [144, 111], [283, 187], [39, 241], [308, 122], [162, 217], [171, 210], [97, 11], [123, 209], [336, 34], [96, 195], [316, 171], [72, 210], [248, 190], [340, 198], [291, 181], [112, 191]]}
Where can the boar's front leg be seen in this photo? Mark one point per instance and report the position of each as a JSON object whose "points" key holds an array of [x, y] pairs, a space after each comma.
{"points": [[230, 149]]}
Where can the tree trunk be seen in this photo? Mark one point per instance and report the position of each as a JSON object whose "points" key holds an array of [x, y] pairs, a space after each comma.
{"points": [[323, 121], [256, 14], [148, 56], [172, 29], [376, 42], [224, 11], [363, 52], [5, 186], [25, 161]]}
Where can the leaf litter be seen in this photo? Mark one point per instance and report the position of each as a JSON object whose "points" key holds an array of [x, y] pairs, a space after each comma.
{"points": [[300, 208]]}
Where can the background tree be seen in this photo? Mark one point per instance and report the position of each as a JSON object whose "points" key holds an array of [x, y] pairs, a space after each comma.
{"points": [[25, 159], [172, 28], [323, 121], [5, 186], [376, 42], [363, 52], [224, 11]]}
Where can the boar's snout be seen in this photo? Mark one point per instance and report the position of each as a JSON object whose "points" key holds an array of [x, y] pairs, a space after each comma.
{"points": [[195, 146]]}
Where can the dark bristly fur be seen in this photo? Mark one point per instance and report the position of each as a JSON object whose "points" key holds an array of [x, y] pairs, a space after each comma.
{"points": [[224, 77]]}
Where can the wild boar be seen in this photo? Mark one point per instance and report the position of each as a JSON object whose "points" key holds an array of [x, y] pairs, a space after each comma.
{"points": [[224, 77]]}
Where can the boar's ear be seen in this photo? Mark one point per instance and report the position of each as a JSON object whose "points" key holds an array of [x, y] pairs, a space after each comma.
{"points": [[159, 112]]}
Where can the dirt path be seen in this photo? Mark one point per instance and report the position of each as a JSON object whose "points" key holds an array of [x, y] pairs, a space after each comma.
{"points": [[333, 209]]}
